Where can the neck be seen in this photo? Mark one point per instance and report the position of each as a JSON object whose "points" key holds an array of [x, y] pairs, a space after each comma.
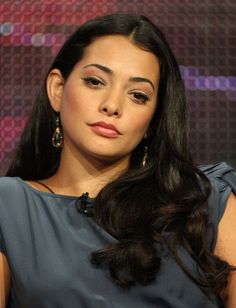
{"points": [[78, 174]]}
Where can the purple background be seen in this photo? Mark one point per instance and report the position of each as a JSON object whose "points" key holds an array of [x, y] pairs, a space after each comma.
{"points": [[201, 33]]}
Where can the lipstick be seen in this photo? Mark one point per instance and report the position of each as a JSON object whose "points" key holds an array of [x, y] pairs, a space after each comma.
{"points": [[105, 129]]}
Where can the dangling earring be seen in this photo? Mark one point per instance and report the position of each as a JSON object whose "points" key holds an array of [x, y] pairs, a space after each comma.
{"points": [[144, 161], [57, 138]]}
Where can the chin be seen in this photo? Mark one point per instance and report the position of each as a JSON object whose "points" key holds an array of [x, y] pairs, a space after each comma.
{"points": [[110, 159]]}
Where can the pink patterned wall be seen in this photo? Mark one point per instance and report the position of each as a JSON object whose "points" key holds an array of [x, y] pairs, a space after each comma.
{"points": [[201, 33]]}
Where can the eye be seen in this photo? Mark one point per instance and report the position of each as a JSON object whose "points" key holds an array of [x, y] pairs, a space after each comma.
{"points": [[93, 82], [140, 97]]}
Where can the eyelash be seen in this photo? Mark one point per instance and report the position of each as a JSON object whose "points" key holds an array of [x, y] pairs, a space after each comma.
{"points": [[96, 83], [141, 99], [93, 82]]}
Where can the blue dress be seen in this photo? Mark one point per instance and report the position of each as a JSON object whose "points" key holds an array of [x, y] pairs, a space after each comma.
{"points": [[48, 243]]}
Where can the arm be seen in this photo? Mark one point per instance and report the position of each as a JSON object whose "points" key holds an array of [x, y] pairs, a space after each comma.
{"points": [[226, 246], [4, 280]]}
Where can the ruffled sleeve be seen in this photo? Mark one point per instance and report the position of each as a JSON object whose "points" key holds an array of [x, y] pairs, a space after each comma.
{"points": [[223, 181]]}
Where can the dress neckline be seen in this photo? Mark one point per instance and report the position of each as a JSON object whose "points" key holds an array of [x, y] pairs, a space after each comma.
{"points": [[45, 193], [84, 204]]}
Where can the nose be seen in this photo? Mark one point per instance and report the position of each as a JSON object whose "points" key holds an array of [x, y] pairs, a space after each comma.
{"points": [[112, 105]]}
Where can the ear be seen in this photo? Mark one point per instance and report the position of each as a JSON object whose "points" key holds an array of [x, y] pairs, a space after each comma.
{"points": [[55, 84]]}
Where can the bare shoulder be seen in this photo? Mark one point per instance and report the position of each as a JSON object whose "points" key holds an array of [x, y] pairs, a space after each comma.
{"points": [[4, 280], [226, 239], [226, 245]]}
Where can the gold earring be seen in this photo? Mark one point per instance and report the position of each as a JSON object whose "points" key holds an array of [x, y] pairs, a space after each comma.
{"points": [[57, 138], [145, 156]]}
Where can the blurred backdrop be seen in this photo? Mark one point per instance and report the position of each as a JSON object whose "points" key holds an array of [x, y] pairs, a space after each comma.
{"points": [[202, 35]]}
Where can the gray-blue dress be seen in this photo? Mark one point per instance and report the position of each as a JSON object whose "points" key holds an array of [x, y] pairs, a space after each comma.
{"points": [[48, 243]]}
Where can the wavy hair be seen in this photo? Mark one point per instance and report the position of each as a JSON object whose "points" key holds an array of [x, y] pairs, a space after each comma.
{"points": [[138, 208]]}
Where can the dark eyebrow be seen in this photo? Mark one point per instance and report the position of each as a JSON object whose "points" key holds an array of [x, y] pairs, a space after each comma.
{"points": [[109, 71], [141, 79], [101, 67]]}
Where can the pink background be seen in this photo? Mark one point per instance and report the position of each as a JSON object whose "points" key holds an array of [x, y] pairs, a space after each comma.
{"points": [[201, 33]]}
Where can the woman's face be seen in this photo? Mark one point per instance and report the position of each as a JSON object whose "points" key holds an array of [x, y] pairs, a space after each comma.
{"points": [[108, 101]]}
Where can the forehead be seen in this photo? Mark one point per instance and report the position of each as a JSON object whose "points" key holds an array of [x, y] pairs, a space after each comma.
{"points": [[119, 52]]}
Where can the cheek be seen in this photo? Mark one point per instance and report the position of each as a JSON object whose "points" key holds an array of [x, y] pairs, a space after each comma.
{"points": [[73, 103], [141, 124], [77, 98]]}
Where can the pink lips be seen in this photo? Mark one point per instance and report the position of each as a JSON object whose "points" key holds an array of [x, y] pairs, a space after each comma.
{"points": [[104, 129]]}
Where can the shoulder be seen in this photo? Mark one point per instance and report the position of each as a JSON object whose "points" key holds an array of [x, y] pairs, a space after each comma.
{"points": [[14, 195], [226, 249], [16, 198], [9, 192], [222, 204], [223, 208], [10, 187], [8, 200], [7, 182], [222, 178]]}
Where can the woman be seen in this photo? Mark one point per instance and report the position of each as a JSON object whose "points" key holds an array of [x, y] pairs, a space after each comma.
{"points": [[114, 213]]}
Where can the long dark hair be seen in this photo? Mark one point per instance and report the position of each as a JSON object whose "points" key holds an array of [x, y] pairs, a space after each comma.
{"points": [[169, 194]]}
